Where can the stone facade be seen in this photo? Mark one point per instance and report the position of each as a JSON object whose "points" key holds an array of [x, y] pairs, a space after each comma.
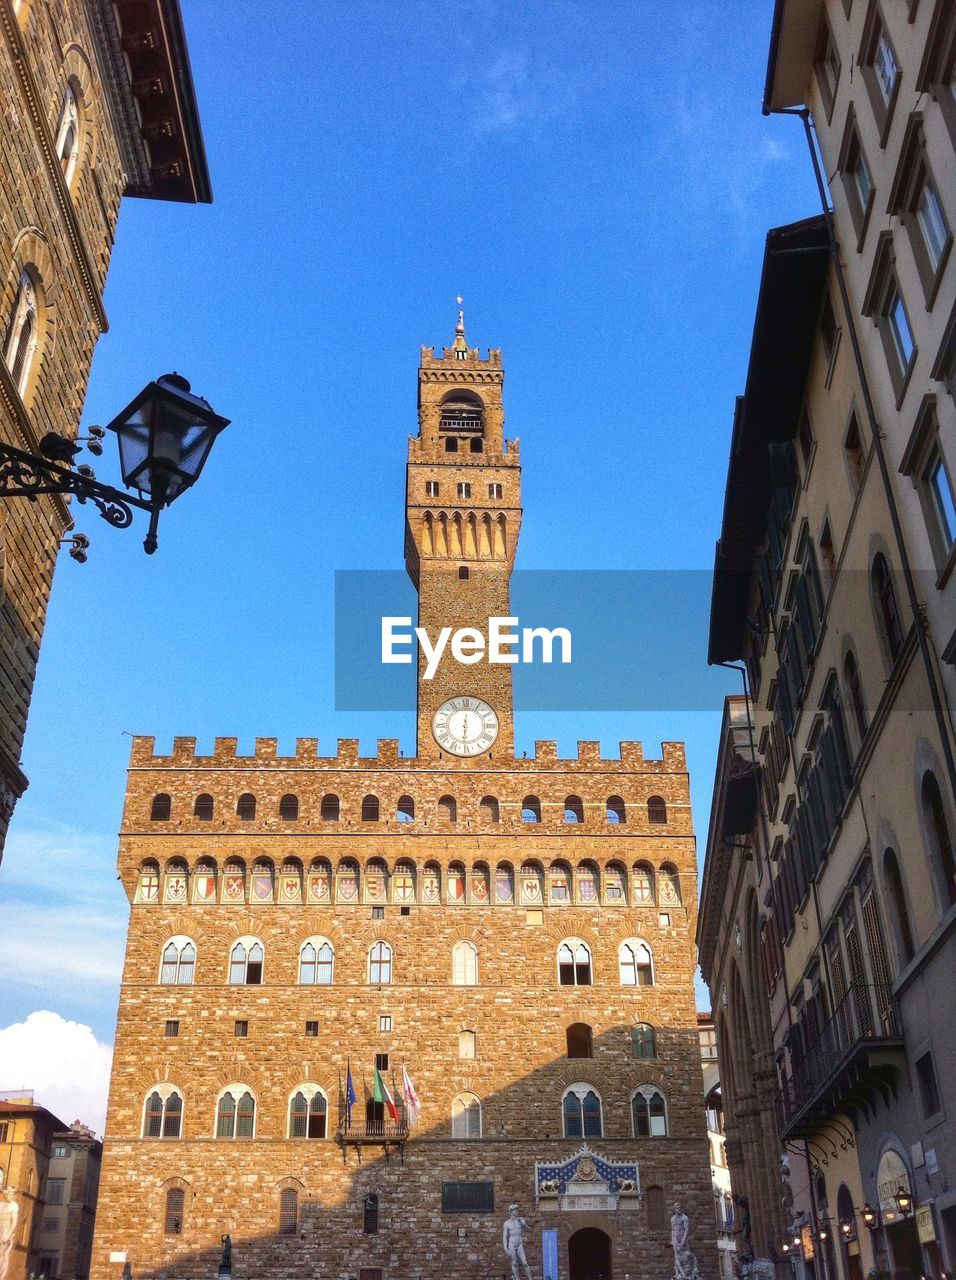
{"points": [[828, 917], [475, 904], [71, 73], [50, 1173]]}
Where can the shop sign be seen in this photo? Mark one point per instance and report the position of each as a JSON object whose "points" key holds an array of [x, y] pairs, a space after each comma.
{"points": [[925, 1227]]}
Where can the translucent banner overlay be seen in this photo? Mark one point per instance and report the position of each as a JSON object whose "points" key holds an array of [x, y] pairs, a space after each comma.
{"points": [[639, 641]]}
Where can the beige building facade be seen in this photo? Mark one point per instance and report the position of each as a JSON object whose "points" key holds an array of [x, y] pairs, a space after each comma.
{"points": [[98, 104], [834, 587], [515, 933], [49, 1177]]}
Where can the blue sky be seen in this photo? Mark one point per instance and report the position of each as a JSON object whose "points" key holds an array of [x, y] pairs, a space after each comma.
{"points": [[596, 181]]}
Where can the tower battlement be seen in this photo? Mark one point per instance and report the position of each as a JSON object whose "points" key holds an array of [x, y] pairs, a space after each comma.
{"points": [[631, 758]]}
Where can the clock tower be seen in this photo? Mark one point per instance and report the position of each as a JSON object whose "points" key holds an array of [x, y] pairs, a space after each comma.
{"points": [[463, 515]]}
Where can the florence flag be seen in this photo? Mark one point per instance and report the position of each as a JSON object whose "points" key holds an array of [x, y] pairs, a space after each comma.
{"points": [[413, 1106], [381, 1094]]}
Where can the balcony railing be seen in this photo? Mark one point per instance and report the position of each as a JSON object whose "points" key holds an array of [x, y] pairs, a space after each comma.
{"points": [[856, 1057]]}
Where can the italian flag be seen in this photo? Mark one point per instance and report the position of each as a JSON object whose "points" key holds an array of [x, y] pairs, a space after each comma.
{"points": [[381, 1094]]}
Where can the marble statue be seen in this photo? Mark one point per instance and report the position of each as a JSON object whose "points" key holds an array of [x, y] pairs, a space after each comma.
{"points": [[512, 1240], [685, 1264], [9, 1216]]}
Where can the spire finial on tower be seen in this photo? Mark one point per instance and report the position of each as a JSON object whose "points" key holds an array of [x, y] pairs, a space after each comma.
{"points": [[460, 343]]}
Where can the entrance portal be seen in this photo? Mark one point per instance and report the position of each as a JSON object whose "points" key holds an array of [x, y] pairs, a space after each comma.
{"points": [[589, 1255]]}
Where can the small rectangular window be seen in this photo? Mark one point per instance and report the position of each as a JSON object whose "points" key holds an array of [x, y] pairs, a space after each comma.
{"points": [[378, 913], [172, 1027], [805, 437], [464, 490], [880, 69], [664, 919], [4, 1130], [312, 1029], [385, 1022], [242, 1029], [943, 502], [827, 66], [467, 1197], [467, 1045], [495, 491], [370, 1223], [381, 1061], [431, 488], [928, 1088], [59, 1151], [54, 1190], [857, 178], [404, 911]]}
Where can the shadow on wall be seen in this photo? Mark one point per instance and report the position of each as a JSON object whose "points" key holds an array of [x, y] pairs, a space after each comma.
{"points": [[357, 1211]]}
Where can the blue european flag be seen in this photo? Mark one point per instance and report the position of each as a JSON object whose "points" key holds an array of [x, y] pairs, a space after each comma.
{"points": [[349, 1094]]}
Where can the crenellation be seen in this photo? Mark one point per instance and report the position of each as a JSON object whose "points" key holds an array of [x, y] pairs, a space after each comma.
{"points": [[266, 748], [387, 751], [184, 750], [545, 750], [225, 749], [347, 750], [306, 750]]}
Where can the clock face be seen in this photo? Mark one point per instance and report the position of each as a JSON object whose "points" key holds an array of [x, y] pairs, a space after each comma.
{"points": [[465, 726]]}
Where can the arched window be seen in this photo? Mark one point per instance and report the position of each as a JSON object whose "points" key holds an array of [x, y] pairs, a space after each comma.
{"points": [[648, 1112], [581, 1108], [643, 885], [669, 885], [22, 333], [246, 807], [370, 809], [940, 840], [245, 963], [329, 809], [161, 808], [574, 963], [148, 888], [178, 967], [289, 808], [656, 810], [488, 810], [163, 1113], [464, 964], [447, 809], [897, 896], [380, 964], [615, 811], [854, 692], [531, 809], [573, 809], [236, 1113], [466, 1116], [580, 1040], [288, 1211], [884, 598], [203, 808], [462, 415], [173, 1217], [308, 1112], [642, 1041], [636, 963], [405, 810], [68, 135], [316, 962]]}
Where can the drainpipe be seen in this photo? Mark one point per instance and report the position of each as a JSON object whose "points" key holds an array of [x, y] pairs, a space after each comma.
{"points": [[939, 710]]}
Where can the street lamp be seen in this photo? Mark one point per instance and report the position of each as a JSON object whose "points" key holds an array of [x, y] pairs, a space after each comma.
{"points": [[164, 436], [870, 1217], [904, 1202], [824, 1230]]}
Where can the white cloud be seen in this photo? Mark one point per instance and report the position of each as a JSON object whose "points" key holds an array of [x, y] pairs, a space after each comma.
{"points": [[62, 1062], [510, 92]]}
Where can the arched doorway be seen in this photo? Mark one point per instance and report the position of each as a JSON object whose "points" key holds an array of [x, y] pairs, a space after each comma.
{"points": [[589, 1255]]}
